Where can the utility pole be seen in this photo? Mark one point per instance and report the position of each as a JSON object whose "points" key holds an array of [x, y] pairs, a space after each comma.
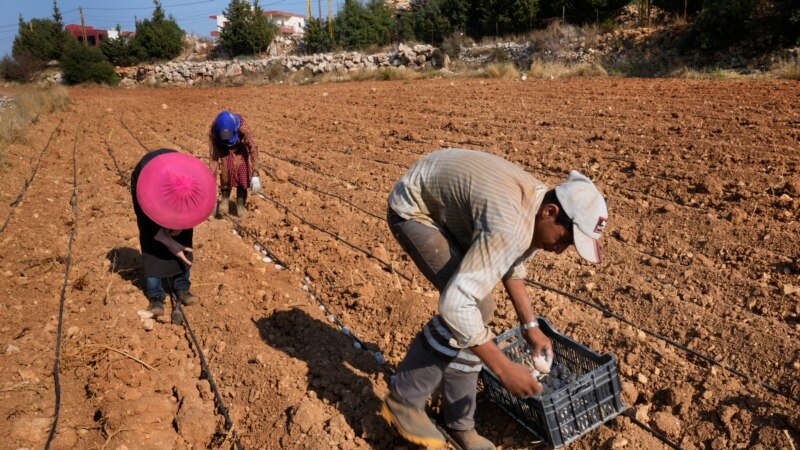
{"points": [[563, 13], [83, 27], [308, 8], [330, 19], [319, 8]]}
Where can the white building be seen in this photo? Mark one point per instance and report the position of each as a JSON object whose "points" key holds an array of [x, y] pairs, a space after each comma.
{"points": [[288, 23]]}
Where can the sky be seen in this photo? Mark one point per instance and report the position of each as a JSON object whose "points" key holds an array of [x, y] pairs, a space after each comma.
{"points": [[192, 15]]}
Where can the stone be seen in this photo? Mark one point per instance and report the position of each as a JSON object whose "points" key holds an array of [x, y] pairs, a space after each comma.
{"points": [[618, 442], [305, 417], [642, 413], [234, 70], [148, 324], [629, 393], [31, 429], [679, 395], [12, 349], [711, 185], [196, 422], [666, 424]]}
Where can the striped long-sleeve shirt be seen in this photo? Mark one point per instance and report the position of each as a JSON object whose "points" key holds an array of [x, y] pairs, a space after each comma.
{"points": [[488, 205]]}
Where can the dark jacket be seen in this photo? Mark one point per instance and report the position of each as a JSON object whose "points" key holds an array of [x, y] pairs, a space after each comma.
{"points": [[157, 260]]}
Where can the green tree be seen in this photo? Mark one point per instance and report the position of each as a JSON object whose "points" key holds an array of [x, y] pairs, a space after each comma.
{"points": [[40, 39], [403, 30], [358, 27], [160, 36], [316, 37], [581, 11], [82, 64], [438, 19], [679, 7], [122, 51], [247, 30], [262, 30], [721, 22], [500, 17]]}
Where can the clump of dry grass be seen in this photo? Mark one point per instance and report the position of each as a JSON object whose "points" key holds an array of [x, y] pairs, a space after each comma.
{"points": [[549, 70], [705, 74], [789, 70], [27, 106], [501, 70]]}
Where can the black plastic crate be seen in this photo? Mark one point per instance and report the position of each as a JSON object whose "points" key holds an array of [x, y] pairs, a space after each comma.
{"points": [[572, 410]]}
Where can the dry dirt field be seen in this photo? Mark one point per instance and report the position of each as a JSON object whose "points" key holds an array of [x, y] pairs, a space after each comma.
{"points": [[702, 254]]}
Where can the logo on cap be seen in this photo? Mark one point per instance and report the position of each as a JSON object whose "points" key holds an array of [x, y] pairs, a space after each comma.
{"points": [[601, 225]]}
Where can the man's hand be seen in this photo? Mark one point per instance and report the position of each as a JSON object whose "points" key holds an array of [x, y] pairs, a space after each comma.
{"points": [[518, 381], [176, 248], [542, 349], [516, 378]]}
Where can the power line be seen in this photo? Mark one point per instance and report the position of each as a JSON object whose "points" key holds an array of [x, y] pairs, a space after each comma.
{"points": [[149, 7]]}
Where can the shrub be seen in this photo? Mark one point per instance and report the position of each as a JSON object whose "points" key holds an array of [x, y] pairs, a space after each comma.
{"points": [[22, 69], [721, 22], [500, 55], [453, 44], [789, 70], [122, 51], [549, 70], [501, 70], [316, 37], [81, 64]]}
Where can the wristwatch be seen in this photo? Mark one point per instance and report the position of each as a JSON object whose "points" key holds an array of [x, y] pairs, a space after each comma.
{"points": [[529, 325]]}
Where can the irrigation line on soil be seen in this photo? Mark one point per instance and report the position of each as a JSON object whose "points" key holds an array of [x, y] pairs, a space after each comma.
{"points": [[669, 341], [73, 201], [320, 229], [242, 230], [299, 183], [206, 370], [136, 138], [646, 427], [28, 181]]}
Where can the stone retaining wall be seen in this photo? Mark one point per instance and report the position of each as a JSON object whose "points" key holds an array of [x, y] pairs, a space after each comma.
{"points": [[189, 73]]}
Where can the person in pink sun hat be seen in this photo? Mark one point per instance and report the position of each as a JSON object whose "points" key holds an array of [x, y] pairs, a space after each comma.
{"points": [[172, 193]]}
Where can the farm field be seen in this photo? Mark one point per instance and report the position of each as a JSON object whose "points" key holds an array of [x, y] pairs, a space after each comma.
{"points": [[701, 262]]}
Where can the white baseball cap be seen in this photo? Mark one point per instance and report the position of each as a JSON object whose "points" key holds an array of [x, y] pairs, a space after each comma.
{"points": [[586, 208]]}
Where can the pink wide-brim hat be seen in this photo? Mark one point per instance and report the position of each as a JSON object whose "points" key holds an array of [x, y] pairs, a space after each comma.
{"points": [[176, 191]]}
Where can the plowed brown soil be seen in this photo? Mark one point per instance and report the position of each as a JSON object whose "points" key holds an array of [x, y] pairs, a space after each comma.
{"points": [[703, 189]]}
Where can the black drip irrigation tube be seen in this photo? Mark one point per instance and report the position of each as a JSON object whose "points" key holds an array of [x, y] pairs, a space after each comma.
{"points": [[322, 230], [669, 341], [28, 181], [179, 317], [73, 201]]}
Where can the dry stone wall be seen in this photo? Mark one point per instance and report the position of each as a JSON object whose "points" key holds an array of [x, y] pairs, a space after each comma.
{"points": [[189, 72]]}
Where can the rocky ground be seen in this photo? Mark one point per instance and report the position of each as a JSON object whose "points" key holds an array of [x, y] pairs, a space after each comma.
{"points": [[702, 184]]}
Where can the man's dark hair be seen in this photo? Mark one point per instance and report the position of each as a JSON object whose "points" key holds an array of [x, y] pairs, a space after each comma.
{"points": [[562, 218]]}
